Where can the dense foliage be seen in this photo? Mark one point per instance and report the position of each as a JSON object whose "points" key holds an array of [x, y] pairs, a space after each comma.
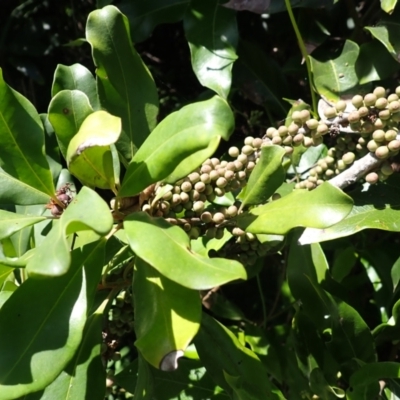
{"points": [[213, 213]]}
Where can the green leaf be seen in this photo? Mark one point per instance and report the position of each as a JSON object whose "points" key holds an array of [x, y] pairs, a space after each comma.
{"points": [[260, 78], [67, 110], [174, 258], [321, 208], [86, 211], [374, 63], [13, 191], [212, 34], [222, 353], [48, 317], [336, 77], [84, 377], [376, 208], [167, 316], [5, 271], [89, 155], [375, 372], [395, 273], [126, 88], [179, 144], [388, 5], [75, 77], [387, 32], [144, 16], [266, 177], [22, 142], [11, 222]]}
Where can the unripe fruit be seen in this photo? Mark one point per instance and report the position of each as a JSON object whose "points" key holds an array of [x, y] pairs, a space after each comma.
{"points": [[370, 99], [236, 231], [329, 173], [198, 206], [379, 91], [215, 161], [205, 169], [312, 124], [390, 135], [372, 145], [372, 178], [200, 186], [379, 124], [287, 141], [307, 141], [176, 199], [378, 136], [246, 149], [229, 175], [310, 185], [330, 112], [367, 127], [277, 140], [340, 105], [386, 169], [283, 131], [194, 177], [219, 191], [363, 111], [293, 129], [214, 175], [316, 141], [340, 165], [248, 140], [382, 152], [322, 129], [384, 115], [194, 233], [257, 142], [231, 211], [206, 217], [219, 234], [210, 233], [398, 90], [208, 190], [354, 117], [392, 97], [394, 106], [394, 145], [233, 152], [186, 187], [250, 166], [298, 139], [304, 115], [270, 132], [288, 151], [167, 196], [296, 117], [205, 178], [349, 158], [238, 165], [242, 158], [218, 217], [357, 101], [221, 182]]}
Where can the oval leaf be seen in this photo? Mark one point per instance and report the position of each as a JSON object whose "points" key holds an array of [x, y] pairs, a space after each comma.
{"points": [[320, 208], [211, 31], [167, 249], [86, 211], [11, 222], [22, 141], [89, 156], [167, 315], [67, 110], [126, 87], [266, 177], [194, 130], [75, 77]]}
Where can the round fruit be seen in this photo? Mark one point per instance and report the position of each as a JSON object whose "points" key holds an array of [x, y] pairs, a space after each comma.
{"points": [[390, 135], [372, 178], [382, 152], [379, 91], [357, 101], [370, 99], [394, 145], [348, 158], [322, 129], [378, 135], [233, 152], [354, 117], [394, 106], [283, 132], [340, 106], [312, 124], [381, 103], [372, 145], [218, 217], [248, 140], [330, 112], [304, 115]]}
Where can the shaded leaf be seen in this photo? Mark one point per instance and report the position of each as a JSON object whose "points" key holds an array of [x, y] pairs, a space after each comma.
{"points": [[174, 258], [75, 77], [22, 142], [377, 208], [211, 31], [321, 207], [67, 110], [179, 144], [126, 88], [222, 353], [336, 77], [89, 155], [144, 16], [266, 177], [37, 357], [374, 372], [86, 211], [167, 316]]}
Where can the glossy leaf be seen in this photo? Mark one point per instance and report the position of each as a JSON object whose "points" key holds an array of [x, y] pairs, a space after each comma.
{"points": [[75, 77], [22, 142], [227, 355], [86, 211], [167, 316], [375, 372], [321, 208], [373, 209], [179, 144], [84, 377], [11, 222], [174, 258], [38, 307], [144, 16], [336, 77], [89, 155], [67, 111], [388, 5], [5, 271], [387, 32], [126, 88], [212, 34], [266, 177]]}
